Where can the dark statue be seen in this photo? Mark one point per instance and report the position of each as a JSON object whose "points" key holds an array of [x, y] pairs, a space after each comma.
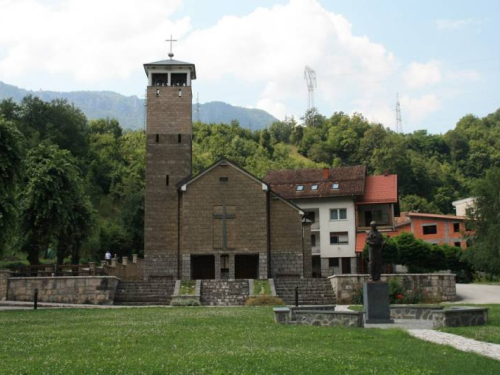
{"points": [[375, 242]]}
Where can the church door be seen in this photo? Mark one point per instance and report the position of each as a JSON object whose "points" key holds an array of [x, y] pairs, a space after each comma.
{"points": [[246, 266], [202, 267]]}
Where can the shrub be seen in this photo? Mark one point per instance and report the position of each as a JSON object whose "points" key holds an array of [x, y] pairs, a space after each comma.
{"points": [[264, 300], [185, 302], [357, 296], [396, 291]]}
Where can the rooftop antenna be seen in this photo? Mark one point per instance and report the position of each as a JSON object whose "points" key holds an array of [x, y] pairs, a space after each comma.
{"points": [[170, 54], [399, 121], [310, 77], [197, 108]]}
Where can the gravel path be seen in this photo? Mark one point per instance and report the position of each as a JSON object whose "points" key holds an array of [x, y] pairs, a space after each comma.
{"points": [[458, 342], [478, 293]]}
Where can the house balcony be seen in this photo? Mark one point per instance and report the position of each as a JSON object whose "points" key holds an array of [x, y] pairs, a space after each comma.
{"points": [[315, 227]]}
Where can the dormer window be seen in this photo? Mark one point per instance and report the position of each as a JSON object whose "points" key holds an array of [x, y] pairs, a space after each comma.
{"points": [[314, 187], [300, 187], [335, 186]]}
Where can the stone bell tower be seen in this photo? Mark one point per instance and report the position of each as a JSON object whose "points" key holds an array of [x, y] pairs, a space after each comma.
{"points": [[168, 161]]}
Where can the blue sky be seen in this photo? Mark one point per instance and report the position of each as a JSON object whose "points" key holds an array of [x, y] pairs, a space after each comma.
{"points": [[442, 57]]}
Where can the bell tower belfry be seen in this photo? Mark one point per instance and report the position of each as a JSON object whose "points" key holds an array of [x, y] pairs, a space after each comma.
{"points": [[168, 161]]}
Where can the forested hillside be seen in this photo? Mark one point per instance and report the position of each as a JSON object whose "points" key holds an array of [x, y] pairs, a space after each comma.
{"points": [[62, 174]]}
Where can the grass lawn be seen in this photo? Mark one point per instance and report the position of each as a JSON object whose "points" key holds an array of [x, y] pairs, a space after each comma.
{"points": [[188, 287], [487, 333], [213, 341]]}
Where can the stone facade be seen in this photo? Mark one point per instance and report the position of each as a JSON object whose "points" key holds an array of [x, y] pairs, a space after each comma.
{"points": [[4, 279], [94, 290], [436, 287]]}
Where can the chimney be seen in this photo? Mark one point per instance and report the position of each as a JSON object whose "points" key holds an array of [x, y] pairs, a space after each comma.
{"points": [[326, 174]]}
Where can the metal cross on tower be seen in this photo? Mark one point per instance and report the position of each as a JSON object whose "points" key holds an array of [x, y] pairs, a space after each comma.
{"points": [[170, 54], [225, 216]]}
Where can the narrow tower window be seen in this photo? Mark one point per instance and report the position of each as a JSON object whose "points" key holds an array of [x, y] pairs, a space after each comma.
{"points": [[179, 138], [166, 179], [180, 93], [157, 92], [157, 138]]}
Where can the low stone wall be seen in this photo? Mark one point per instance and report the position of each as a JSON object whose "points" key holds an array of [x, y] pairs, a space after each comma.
{"points": [[414, 312], [460, 317], [318, 317], [126, 270], [318, 308], [437, 287], [4, 280], [95, 290]]}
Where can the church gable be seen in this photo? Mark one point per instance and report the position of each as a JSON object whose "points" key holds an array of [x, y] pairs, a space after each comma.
{"points": [[223, 209]]}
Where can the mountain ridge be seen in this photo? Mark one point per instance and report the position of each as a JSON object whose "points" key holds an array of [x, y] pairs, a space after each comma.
{"points": [[130, 111]]}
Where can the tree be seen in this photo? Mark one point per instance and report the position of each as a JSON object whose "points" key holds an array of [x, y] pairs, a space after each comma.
{"points": [[419, 204], [484, 255], [53, 203], [11, 154]]}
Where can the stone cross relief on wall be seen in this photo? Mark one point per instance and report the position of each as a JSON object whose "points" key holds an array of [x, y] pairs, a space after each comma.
{"points": [[224, 228]]}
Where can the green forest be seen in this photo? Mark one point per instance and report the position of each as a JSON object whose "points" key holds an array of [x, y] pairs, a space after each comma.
{"points": [[73, 188]]}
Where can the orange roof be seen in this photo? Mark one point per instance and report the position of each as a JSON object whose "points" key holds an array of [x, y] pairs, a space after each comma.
{"points": [[436, 216], [361, 239], [380, 189]]}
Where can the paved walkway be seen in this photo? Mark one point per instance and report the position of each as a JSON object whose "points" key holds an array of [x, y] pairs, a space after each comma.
{"points": [[478, 293], [458, 342]]}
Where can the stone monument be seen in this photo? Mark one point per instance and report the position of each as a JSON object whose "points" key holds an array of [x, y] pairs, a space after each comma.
{"points": [[376, 292]]}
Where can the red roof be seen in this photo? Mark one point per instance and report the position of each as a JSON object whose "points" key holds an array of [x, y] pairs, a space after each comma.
{"points": [[381, 189], [349, 181], [361, 239], [435, 216]]}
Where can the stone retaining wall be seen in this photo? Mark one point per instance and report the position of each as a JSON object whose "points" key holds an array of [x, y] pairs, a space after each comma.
{"points": [[460, 317], [414, 312], [437, 287], [4, 278], [95, 290], [319, 317]]}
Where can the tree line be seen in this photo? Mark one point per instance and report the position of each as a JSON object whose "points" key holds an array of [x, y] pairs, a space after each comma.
{"points": [[76, 187]]}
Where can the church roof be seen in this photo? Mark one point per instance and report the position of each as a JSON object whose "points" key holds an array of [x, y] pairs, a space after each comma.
{"points": [[182, 185], [318, 183], [171, 62]]}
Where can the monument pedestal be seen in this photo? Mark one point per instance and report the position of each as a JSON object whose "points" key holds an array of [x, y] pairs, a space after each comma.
{"points": [[376, 303]]}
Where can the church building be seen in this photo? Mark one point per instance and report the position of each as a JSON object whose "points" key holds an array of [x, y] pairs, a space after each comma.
{"points": [[223, 223]]}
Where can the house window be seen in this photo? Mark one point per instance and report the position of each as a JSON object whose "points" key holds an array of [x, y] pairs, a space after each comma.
{"points": [[457, 244], [335, 185], [430, 229], [338, 214], [311, 215], [313, 240], [223, 179], [339, 238], [314, 187], [380, 217], [333, 262], [456, 227], [300, 187]]}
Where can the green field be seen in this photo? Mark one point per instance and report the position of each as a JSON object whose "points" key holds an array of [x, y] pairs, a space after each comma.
{"points": [[488, 333], [213, 341]]}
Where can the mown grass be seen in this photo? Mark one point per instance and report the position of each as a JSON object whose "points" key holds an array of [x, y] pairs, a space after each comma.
{"points": [[212, 341], [488, 333], [261, 287], [188, 287]]}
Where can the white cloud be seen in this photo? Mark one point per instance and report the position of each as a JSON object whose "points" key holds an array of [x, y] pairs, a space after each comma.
{"points": [[419, 75], [271, 46], [415, 110], [443, 24], [87, 40]]}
